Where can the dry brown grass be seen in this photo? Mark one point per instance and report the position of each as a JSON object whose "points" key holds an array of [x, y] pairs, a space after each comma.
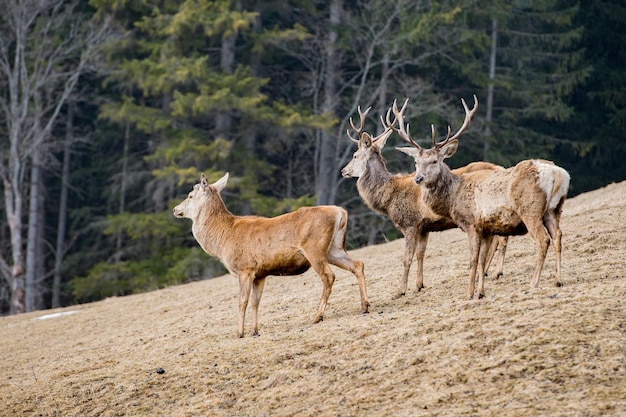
{"points": [[519, 352]]}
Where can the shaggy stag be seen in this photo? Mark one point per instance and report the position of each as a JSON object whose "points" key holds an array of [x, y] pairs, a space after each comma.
{"points": [[253, 247], [527, 197], [397, 197]]}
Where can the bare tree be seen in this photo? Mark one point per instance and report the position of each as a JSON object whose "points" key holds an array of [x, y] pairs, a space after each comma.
{"points": [[364, 55], [325, 189], [45, 46]]}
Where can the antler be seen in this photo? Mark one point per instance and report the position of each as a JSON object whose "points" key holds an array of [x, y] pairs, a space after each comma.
{"points": [[402, 131], [359, 131], [468, 117]]}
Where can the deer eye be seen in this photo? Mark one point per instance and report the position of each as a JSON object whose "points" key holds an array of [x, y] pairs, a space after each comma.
{"points": [[433, 162]]}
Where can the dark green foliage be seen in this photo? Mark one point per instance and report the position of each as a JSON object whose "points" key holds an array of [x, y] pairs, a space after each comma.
{"points": [[176, 266]]}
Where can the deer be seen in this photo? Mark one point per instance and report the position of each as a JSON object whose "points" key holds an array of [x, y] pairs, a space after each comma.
{"points": [[525, 198], [397, 197], [254, 247]]}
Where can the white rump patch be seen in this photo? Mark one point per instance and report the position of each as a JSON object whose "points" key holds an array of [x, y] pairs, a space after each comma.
{"points": [[55, 315], [336, 245], [553, 180]]}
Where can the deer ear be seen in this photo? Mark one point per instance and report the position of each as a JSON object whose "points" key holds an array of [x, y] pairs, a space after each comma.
{"points": [[366, 139], [221, 183], [204, 181], [409, 151], [449, 149]]}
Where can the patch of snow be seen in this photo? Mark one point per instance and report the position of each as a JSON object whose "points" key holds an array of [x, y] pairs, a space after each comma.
{"points": [[54, 315]]}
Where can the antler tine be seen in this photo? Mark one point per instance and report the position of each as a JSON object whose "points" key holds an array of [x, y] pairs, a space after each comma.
{"points": [[350, 136], [359, 130], [399, 114], [443, 142], [403, 131], [468, 117], [362, 115], [432, 132], [440, 144]]}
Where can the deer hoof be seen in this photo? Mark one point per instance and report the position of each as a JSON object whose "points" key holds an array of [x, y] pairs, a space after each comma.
{"points": [[255, 334], [398, 295], [318, 319], [558, 284]]}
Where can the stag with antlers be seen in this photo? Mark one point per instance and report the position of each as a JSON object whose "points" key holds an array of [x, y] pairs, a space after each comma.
{"points": [[527, 197], [398, 198]]}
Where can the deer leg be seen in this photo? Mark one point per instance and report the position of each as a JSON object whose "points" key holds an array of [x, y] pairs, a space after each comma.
{"points": [[491, 251], [245, 286], [338, 256], [422, 241], [341, 259], [474, 245], [551, 222], [539, 233], [501, 243], [328, 278], [486, 243], [257, 292], [410, 239]]}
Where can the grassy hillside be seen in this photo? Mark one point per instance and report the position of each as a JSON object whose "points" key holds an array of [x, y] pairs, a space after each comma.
{"points": [[518, 352]]}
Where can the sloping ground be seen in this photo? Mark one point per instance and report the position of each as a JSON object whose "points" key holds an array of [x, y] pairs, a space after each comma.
{"points": [[518, 352]]}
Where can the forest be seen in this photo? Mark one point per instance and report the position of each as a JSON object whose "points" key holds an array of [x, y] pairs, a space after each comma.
{"points": [[111, 109]]}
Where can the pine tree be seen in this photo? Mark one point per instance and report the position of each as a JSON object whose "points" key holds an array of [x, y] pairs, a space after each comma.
{"points": [[188, 109], [596, 145], [536, 62]]}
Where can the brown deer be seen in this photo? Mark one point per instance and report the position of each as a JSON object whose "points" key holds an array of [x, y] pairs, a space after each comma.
{"points": [[397, 197], [527, 197], [253, 247]]}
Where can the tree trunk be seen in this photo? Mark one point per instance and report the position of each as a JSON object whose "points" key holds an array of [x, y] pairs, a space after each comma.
{"points": [[18, 292], [41, 275], [62, 223], [13, 206], [326, 181], [492, 76], [257, 27], [33, 235], [119, 238], [382, 92], [223, 121]]}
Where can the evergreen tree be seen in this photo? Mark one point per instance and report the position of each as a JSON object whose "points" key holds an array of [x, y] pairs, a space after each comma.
{"points": [[533, 61], [191, 109], [595, 150]]}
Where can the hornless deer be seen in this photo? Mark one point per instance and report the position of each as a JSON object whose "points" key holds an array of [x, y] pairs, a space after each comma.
{"points": [[527, 197], [253, 247], [399, 198]]}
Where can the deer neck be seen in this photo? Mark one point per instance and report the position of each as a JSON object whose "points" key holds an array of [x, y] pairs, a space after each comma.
{"points": [[211, 228], [373, 183], [439, 193]]}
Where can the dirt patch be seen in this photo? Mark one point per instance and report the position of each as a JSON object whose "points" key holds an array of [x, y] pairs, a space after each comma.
{"points": [[548, 351]]}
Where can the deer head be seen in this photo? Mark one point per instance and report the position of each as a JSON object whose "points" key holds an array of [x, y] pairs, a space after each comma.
{"points": [[201, 194], [429, 162], [367, 145]]}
